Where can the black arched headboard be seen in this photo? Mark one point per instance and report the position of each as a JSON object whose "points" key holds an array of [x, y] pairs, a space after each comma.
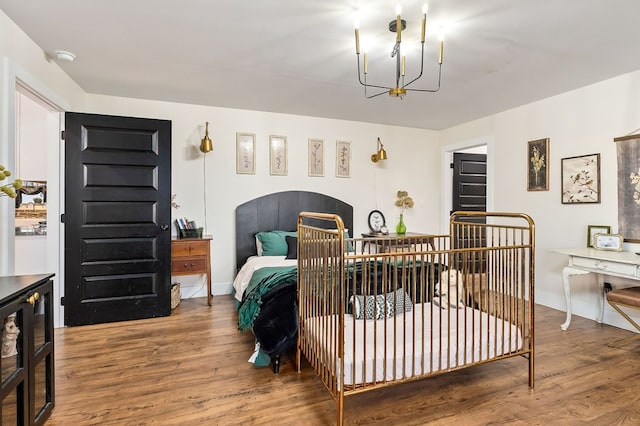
{"points": [[279, 211]]}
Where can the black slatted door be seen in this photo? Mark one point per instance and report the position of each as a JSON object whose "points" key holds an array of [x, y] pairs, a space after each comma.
{"points": [[117, 216]]}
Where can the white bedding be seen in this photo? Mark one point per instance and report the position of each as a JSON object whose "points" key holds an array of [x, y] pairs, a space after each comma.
{"points": [[407, 342], [254, 263]]}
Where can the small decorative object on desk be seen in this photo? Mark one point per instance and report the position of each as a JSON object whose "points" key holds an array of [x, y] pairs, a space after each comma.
{"points": [[404, 202], [187, 228], [611, 242]]}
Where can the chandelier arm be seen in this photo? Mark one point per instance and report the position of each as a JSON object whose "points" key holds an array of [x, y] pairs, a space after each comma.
{"points": [[373, 96], [421, 69], [429, 90], [365, 84]]}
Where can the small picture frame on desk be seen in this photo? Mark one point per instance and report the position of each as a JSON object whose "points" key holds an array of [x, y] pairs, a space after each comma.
{"points": [[611, 242], [592, 230]]}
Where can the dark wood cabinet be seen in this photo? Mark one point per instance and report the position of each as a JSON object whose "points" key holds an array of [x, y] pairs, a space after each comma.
{"points": [[27, 357]]}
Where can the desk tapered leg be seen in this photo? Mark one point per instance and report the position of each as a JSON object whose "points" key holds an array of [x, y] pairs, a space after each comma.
{"points": [[567, 272], [600, 298]]}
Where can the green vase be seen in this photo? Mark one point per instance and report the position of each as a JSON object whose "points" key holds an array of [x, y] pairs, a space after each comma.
{"points": [[401, 227]]}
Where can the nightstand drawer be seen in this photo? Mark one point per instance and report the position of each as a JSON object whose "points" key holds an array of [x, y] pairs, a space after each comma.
{"points": [[188, 248], [191, 265]]}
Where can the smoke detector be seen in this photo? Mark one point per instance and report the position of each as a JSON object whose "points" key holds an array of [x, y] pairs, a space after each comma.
{"points": [[63, 55]]}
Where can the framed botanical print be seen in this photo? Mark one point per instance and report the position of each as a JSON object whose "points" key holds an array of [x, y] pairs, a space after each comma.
{"points": [[343, 159], [278, 155], [316, 157], [246, 153], [592, 230], [581, 179], [537, 161]]}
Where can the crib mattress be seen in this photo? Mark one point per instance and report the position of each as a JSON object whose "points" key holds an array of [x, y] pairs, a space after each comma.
{"points": [[424, 340]]}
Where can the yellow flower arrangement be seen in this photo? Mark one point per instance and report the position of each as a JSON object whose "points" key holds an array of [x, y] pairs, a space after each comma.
{"points": [[404, 201], [9, 189]]}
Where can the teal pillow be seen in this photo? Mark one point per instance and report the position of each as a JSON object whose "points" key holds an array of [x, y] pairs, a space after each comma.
{"points": [[348, 246], [274, 242]]}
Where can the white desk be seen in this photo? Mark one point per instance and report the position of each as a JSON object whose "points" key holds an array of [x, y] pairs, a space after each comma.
{"points": [[622, 264]]}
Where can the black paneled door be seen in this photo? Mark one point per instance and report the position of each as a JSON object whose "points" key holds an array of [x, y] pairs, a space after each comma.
{"points": [[469, 194], [117, 215], [469, 182]]}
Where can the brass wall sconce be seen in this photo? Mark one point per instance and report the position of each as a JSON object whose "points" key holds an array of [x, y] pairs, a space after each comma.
{"points": [[381, 154], [206, 144]]}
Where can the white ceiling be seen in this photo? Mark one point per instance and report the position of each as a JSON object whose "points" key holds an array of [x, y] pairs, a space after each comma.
{"points": [[298, 56]]}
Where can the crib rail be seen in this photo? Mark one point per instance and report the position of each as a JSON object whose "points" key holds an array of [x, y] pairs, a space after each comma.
{"points": [[380, 311]]}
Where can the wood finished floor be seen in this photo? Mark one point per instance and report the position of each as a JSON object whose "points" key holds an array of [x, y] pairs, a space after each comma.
{"points": [[190, 369]]}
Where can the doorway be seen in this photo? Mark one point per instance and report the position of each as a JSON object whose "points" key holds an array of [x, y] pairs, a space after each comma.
{"points": [[482, 145], [37, 125], [34, 116]]}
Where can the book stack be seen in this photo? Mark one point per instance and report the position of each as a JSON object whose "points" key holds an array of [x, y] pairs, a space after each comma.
{"points": [[187, 228]]}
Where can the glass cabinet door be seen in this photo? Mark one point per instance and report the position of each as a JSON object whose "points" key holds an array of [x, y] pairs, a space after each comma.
{"points": [[14, 407], [41, 367]]}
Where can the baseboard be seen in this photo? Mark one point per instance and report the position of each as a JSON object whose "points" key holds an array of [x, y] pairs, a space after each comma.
{"points": [[200, 290]]}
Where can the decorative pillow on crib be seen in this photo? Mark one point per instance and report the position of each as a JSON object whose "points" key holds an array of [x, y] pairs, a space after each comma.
{"points": [[381, 305], [273, 242], [292, 244]]}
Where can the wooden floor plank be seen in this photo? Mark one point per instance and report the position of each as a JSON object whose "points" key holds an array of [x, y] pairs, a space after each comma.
{"points": [[191, 369]]}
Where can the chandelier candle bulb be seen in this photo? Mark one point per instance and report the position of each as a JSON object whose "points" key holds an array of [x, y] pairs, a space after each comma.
{"points": [[366, 67], [441, 52], [402, 67], [423, 31], [357, 41], [398, 23]]}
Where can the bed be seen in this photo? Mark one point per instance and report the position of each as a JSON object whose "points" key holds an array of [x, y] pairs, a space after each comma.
{"points": [[265, 287], [361, 331]]}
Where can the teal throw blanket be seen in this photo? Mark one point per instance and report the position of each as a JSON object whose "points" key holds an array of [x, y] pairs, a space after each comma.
{"points": [[262, 281]]}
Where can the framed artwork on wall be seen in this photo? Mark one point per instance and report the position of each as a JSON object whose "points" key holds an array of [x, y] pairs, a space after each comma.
{"points": [[537, 161], [316, 157], [343, 159], [581, 179], [278, 155], [246, 153], [628, 153], [592, 230]]}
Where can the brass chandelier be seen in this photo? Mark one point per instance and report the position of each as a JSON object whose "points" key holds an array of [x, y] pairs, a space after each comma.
{"points": [[400, 89]]}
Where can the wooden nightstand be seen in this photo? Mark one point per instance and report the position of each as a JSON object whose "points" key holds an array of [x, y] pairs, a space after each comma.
{"points": [[192, 256]]}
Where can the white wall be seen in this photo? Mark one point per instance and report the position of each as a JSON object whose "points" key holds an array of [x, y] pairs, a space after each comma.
{"points": [[579, 122], [24, 61], [413, 165]]}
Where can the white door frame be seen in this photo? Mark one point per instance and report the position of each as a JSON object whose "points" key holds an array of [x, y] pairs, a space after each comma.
{"points": [[15, 77], [447, 175]]}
